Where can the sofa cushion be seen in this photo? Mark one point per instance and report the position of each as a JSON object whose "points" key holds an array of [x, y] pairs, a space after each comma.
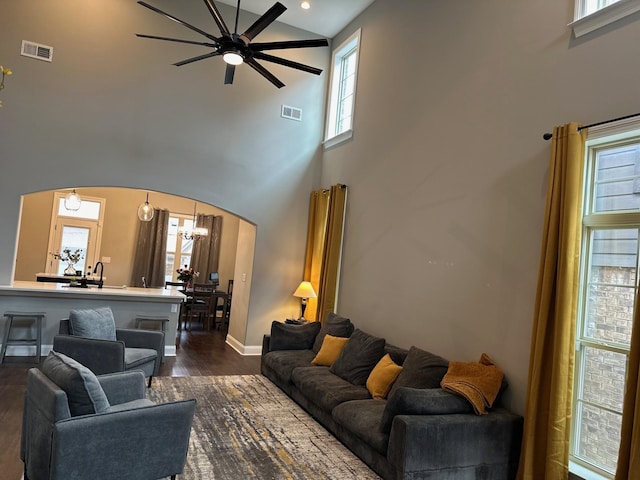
{"points": [[330, 350], [84, 392], [95, 323], [333, 325], [282, 363], [382, 377], [362, 418], [421, 401], [361, 353], [324, 389], [421, 369], [286, 336]]}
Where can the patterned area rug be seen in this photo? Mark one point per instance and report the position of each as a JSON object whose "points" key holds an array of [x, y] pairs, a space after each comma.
{"points": [[246, 428]]}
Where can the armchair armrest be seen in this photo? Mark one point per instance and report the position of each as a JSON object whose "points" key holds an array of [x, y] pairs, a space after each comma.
{"points": [[147, 442], [123, 387], [99, 356], [134, 338], [456, 443]]}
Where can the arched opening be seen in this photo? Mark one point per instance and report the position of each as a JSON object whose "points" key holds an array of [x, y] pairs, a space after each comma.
{"points": [[118, 235]]}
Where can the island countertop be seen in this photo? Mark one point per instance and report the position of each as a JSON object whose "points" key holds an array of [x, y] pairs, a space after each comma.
{"points": [[108, 292]]}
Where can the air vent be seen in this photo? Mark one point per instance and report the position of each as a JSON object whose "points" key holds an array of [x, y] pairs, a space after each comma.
{"points": [[292, 113], [35, 50]]}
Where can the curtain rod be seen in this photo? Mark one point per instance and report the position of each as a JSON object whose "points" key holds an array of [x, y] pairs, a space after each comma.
{"points": [[548, 136]]}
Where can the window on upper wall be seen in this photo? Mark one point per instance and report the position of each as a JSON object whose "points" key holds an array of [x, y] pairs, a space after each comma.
{"points": [[343, 81], [593, 14], [608, 284]]}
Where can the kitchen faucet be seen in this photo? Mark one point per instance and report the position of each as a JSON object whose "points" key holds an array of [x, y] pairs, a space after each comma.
{"points": [[95, 269]]}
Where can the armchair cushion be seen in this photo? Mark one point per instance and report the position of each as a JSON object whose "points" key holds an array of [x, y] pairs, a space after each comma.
{"points": [[358, 357], [84, 392], [95, 323], [293, 337]]}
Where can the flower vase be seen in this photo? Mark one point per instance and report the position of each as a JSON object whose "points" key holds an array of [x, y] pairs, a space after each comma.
{"points": [[70, 270]]}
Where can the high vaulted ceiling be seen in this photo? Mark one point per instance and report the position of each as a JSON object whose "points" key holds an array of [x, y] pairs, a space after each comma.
{"points": [[325, 17]]}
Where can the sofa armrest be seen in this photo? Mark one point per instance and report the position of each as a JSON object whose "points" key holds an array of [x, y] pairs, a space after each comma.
{"points": [[422, 401], [472, 441], [266, 343], [123, 387], [99, 356], [137, 338]]}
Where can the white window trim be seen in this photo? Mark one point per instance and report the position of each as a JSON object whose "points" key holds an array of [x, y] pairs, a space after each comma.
{"points": [[330, 139], [603, 17], [599, 136]]}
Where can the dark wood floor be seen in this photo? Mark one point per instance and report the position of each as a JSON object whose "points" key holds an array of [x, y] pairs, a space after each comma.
{"points": [[198, 353]]}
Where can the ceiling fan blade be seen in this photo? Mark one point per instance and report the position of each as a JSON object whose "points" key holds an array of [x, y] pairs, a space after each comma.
{"points": [[263, 22], [155, 37], [195, 59], [260, 46], [228, 74], [177, 20], [264, 72], [287, 63], [215, 13]]}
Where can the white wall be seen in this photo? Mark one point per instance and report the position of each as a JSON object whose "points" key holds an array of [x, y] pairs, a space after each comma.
{"points": [[111, 110], [447, 167]]}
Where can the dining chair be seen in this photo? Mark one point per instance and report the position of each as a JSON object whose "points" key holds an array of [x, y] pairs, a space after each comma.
{"points": [[199, 303]]}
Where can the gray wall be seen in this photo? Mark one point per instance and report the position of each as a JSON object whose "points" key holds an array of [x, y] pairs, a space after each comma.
{"points": [[111, 110], [447, 168]]}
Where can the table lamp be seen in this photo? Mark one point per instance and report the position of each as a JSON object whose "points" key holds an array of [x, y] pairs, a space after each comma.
{"points": [[304, 291]]}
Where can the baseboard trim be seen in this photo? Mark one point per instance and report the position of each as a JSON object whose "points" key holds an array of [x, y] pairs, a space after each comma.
{"points": [[243, 349]]}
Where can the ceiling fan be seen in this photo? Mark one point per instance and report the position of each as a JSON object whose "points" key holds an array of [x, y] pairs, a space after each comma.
{"points": [[236, 48]]}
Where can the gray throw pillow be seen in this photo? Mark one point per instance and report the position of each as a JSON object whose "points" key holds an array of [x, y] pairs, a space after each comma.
{"points": [[95, 323], [421, 369], [425, 401], [293, 337], [358, 357], [334, 325], [84, 392]]}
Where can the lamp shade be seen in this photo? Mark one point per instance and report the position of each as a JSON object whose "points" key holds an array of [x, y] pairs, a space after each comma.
{"points": [[305, 290], [72, 201]]}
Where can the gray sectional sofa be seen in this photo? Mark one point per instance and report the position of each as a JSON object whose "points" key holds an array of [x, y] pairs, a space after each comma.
{"points": [[418, 432]]}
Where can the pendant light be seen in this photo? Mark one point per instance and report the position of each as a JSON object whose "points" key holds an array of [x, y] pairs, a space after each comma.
{"points": [[145, 210], [72, 201]]}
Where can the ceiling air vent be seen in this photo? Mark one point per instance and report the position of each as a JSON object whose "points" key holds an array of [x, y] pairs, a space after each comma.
{"points": [[35, 50], [292, 113]]}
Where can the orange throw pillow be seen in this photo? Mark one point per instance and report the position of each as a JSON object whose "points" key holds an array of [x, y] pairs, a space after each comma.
{"points": [[330, 350], [382, 377]]}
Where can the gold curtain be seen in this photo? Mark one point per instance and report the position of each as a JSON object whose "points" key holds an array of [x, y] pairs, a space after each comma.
{"points": [[324, 249], [629, 454], [545, 447]]}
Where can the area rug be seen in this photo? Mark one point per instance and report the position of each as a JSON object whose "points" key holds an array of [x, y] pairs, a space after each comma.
{"points": [[246, 428]]}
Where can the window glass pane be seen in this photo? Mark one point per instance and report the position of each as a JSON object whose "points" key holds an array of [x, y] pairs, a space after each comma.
{"points": [[604, 376], [592, 6], [599, 437], [611, 285], [169, 268], [88, 209], [617, 179]]}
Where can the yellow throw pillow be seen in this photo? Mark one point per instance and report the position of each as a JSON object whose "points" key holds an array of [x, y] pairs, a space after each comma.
{"points": [[330, 350], [382, 377]]}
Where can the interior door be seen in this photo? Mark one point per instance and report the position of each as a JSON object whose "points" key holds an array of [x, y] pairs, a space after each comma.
{"points": [[75, 230]]}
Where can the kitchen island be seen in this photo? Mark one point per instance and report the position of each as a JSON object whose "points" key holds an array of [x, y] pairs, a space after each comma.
{"points": [[57, 299]]}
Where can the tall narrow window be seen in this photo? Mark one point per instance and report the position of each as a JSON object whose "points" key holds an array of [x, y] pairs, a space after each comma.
{"points": [[609, 279], [178, 249], [344, 73]]}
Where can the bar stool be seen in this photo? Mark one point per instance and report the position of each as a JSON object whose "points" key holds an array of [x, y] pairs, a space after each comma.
{"points": [[162, 321], [37, 318]]}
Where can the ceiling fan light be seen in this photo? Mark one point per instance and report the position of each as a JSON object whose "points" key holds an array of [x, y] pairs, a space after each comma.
{"points": [[233, 58], [305, 5]]}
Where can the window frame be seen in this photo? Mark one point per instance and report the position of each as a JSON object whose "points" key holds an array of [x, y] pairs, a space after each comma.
{"points": [[350, 46], [599, 138], [172, 276], [587, 23]]}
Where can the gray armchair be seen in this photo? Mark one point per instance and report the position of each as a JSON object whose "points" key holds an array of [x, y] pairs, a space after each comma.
{"points": [[78, 426], [126, 349]]}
